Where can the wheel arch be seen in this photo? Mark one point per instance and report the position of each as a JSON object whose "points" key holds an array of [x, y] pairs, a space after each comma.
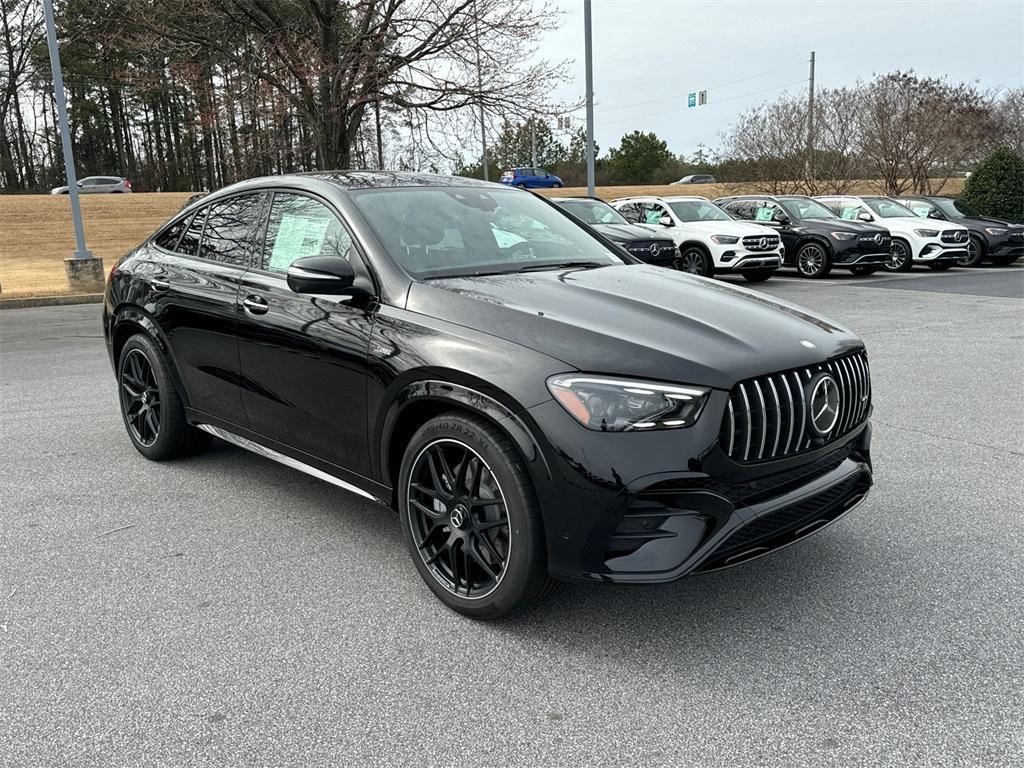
{"points": [[129, 319], [817, 240], [419, 401]]}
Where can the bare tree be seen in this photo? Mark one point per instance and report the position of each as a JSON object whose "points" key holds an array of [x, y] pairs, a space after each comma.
{"points": [[21, 29]]}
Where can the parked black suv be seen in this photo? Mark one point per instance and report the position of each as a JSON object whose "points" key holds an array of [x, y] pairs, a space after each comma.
{"points": [[534, 403], [642, 242], [816, 240], [995, 240]]}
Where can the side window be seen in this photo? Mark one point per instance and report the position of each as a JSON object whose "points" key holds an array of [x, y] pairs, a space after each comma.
{"points": [[230, 229], [630, 212], [168, 239], [763, 211], [919, 207], [653, 213], [189, 244], [300, 226]]}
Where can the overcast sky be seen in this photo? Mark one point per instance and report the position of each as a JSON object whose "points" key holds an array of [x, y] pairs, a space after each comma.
{"points": [[651, 53]]}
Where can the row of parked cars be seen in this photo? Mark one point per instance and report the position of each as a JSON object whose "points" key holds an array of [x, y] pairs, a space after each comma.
{"points": [[755, 235]]}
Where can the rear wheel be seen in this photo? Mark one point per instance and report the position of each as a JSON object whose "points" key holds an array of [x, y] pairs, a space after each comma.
{"points": [[693, 260], [975, 253], [557, 185], [471, 518], [900, 258], [757, 275], [150, 406], [864, 270], [813, 260]]}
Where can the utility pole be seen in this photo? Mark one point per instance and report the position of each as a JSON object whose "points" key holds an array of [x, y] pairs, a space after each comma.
{"points": [[590, 95], [83, 269], [533, 141], [810, 123], [480, 95]]}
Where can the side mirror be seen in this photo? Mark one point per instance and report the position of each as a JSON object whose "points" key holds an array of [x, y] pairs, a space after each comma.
{"points": [[935, 213], [666, 221], [321, 274], [784, 221], [865, 216]]}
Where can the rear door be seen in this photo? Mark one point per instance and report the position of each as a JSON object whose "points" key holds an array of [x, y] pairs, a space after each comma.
{"points": [[195, 290], [303, 357]]}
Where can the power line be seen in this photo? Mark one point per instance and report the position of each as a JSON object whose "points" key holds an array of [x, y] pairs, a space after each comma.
{"points": [[709, 104], [718, 85]]}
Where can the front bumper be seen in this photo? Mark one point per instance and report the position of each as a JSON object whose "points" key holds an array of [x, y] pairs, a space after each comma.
{"points": [[654, 507], [936, 251], [858, 254], [1004, 245], [734, 260]]}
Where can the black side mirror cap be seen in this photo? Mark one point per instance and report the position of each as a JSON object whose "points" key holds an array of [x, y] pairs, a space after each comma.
{"points": [[330, 275]]}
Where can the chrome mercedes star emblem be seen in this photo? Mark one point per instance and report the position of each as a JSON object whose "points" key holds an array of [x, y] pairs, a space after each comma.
{"points": [[822, 404], [654, 249], [763, 243], [878, 238], [459, 516]]}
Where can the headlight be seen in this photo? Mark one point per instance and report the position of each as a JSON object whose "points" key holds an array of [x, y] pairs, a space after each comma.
{"points": [[618, 405], [996, 230], [724, 239], [927, 232], [843, 235]]}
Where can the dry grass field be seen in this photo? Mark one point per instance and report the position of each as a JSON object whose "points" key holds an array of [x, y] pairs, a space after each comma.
{"points": [[36, 233]]}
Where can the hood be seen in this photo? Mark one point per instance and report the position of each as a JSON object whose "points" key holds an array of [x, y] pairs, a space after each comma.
{"points": [[638, 320], [842, 225], [918, 222], [983, 221], [628, 232], [731, 227]]}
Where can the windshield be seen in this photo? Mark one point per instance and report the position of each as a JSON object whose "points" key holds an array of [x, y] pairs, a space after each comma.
{"points": [[805, 208], [445, 231], [948, 207], [592, 211], [698, 210], [888, 209]]}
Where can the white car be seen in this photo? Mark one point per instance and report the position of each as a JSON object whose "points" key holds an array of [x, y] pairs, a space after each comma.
{"points": [[939, 244], [93, 185], [709, 239]]}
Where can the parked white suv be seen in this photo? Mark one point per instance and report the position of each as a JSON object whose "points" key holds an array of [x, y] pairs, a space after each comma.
{"points": [[914, 240], [709, 239]]}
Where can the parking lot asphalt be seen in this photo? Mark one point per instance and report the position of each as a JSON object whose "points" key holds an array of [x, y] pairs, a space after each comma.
{"points": [[224, 610]]}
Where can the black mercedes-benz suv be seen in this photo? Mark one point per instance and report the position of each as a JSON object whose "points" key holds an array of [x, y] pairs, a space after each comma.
{"points": [[995, 240], [533, 403], [816, 240], [641, 241]]}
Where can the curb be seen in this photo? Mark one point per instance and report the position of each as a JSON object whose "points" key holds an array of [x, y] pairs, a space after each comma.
{"points": [[51, 301]]}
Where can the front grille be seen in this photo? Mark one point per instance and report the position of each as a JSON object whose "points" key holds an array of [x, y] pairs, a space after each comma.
{"points": [[649, 249], [954, 236], [761, 242], [1017, 235], [879, 241], [766, 417]]}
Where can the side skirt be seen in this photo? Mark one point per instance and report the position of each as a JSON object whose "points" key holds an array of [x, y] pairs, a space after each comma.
{"points": [[288, 461]]}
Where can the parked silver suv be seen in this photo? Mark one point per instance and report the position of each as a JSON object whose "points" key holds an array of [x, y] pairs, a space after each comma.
{"points": [[95, 184]]}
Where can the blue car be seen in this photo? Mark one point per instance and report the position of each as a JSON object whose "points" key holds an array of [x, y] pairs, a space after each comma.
{"points": [[530, 178]]}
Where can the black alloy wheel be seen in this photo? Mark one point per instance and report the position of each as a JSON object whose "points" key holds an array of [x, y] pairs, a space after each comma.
{"points": [[693, 261], [140, 398], [975, 253], [813, 261], [153, 413], [471, 518], [900, 259]]}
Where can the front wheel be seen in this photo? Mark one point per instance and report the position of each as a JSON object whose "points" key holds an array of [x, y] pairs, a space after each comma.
{"points": [[471, 518], [900, 258], [556, 185], [151, 409], [813, 261], [758, 275], [941, 266], [694, 261], [975, 253]]}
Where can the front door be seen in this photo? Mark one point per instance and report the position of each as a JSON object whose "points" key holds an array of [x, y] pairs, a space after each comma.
{"points": [[303, 357]]}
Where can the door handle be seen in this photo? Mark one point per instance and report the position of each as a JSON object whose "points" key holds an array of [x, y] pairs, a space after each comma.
{"points": [[159, 285], [255, 305]]}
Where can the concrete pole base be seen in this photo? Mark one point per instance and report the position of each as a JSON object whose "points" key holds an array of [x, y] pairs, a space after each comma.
{"points": [[85, 275]]}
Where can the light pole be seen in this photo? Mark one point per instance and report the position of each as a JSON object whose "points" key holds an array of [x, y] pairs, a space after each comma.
{"points": [[590, 96], [83, 269]]}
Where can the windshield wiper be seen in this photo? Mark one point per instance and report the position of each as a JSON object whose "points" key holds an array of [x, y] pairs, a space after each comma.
{"points": [[579, 263]]}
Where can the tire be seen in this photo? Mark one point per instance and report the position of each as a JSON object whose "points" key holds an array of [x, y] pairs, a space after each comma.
{"points": [[901, 258], [975, 253], [757, 275], [556, 185], [942, 266], [1003, 261], [864, 270], [521, 186], [813, 261], [497, 549], [151, 408], [694, 260]]}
